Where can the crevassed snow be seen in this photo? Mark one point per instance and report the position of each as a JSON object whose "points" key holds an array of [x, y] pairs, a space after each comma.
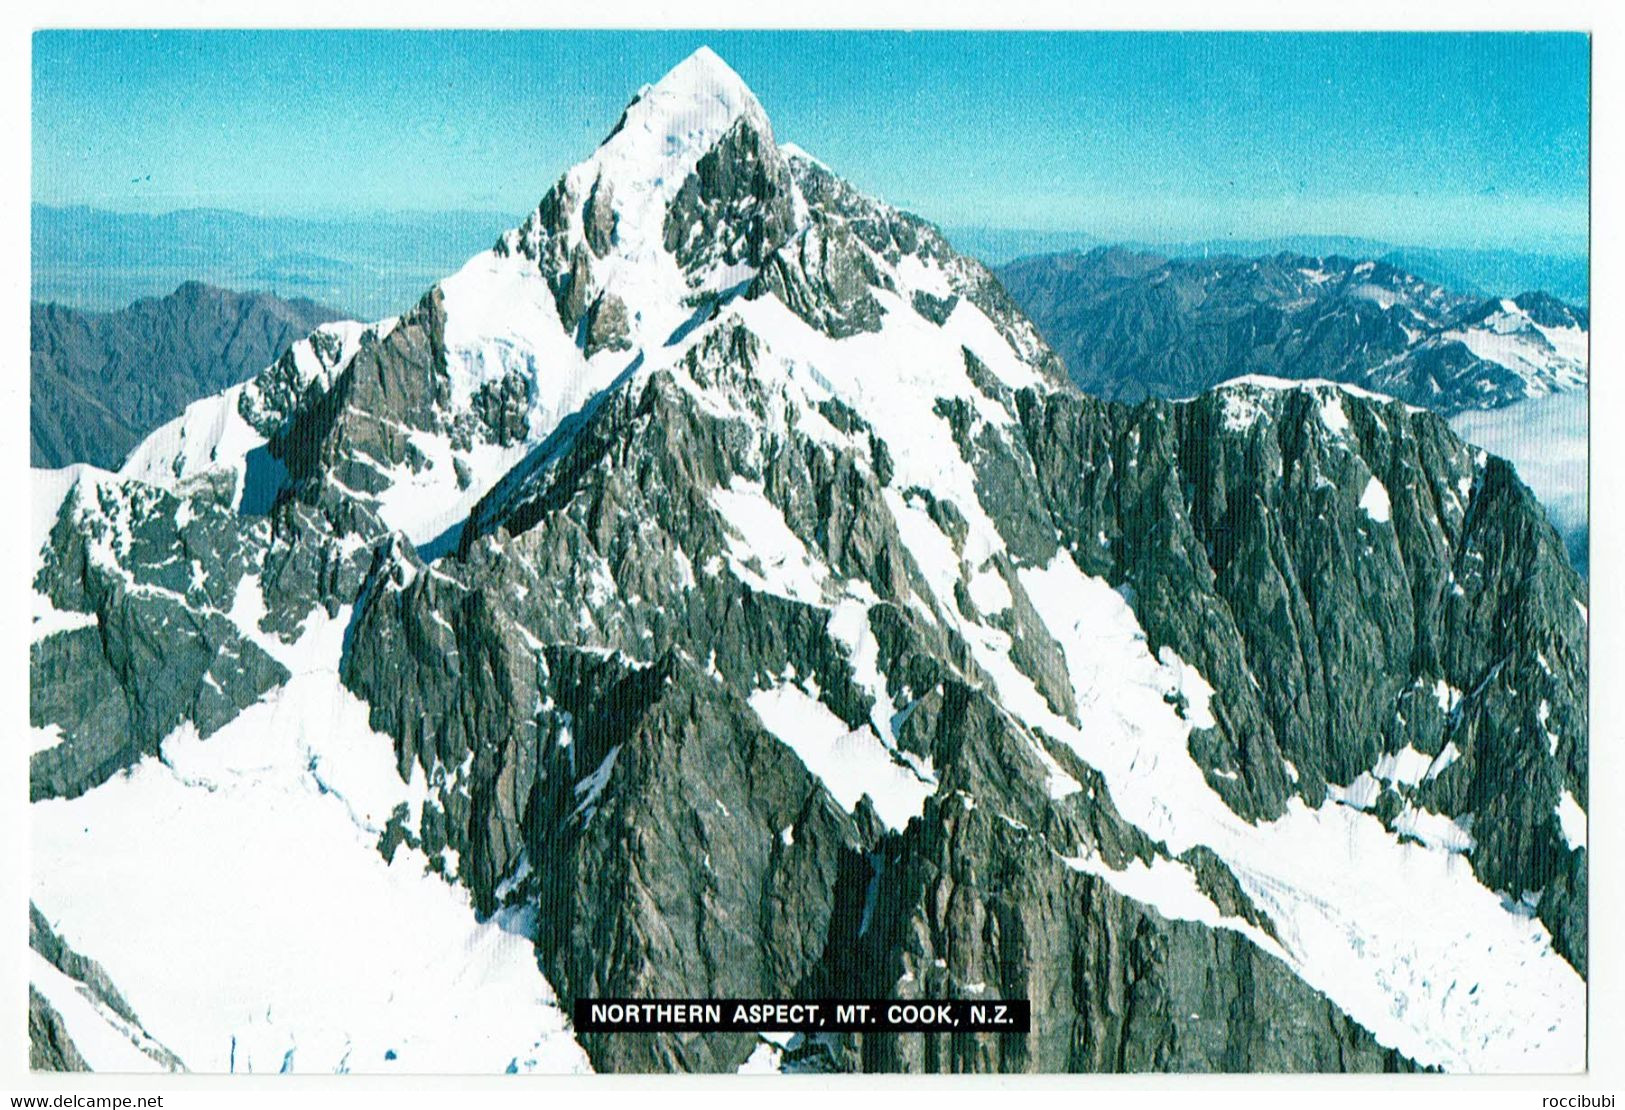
{"points": [[893, 378], [209, 437], [307, 942], [850, 762], [1479, 989]]}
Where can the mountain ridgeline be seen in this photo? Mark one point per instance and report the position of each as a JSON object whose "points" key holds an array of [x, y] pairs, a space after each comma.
{"points": [[1132, 325], [99, 382], [748, 605]]}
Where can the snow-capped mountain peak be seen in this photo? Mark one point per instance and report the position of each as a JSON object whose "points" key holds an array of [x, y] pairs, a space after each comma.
{"points": [[687, 210], [623, 194], [684, 113], [681, 200]]}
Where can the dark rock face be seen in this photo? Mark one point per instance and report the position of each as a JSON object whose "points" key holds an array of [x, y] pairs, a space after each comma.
{"points": [[392, 386], [50, 1048], [280, 388], [99, 382], [735, 207], [43, 940], [157, 574], [1113, 987], [826, 274], [1133, 325], [971, 901], [589, 549], [1336, 634], [1547, 311]]}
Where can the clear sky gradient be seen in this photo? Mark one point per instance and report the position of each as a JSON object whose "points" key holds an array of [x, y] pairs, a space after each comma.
{"points": [[1473, 140]]}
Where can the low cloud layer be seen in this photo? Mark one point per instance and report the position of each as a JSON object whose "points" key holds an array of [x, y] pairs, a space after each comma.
{"points": [[1546, 439]]}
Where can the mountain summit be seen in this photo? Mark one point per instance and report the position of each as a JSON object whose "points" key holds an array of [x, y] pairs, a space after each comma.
{"points": [[717, 589], [626, 238]]}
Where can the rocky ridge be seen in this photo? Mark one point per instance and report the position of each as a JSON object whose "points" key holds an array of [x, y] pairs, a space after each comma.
{"points": [[99, 382], [1132, 325]]}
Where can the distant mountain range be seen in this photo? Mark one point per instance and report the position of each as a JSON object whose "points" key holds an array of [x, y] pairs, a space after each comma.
{"points": [[369, 266], [1482, 273], [1135, 324], [100, 381]]}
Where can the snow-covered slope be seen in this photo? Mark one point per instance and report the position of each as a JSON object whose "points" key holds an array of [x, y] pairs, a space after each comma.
{"points": [[209, 443], [1546, 355], [234, 890], [719, 547]]}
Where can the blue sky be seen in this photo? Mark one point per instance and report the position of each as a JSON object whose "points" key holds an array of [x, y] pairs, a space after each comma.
{"points": [[1475, 140]]}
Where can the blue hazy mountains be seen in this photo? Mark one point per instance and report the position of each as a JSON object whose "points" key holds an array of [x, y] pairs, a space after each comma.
{"points": [[1481, 273], [1132, 324], [1511, 370]]}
